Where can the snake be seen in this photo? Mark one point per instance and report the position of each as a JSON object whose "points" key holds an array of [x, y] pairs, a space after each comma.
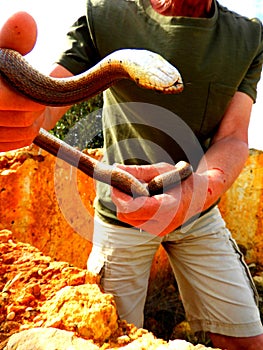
{"points": [[145, 68]]}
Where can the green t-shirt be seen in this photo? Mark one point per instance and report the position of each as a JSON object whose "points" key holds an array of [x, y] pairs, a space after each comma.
{"points": [[216, 57]]}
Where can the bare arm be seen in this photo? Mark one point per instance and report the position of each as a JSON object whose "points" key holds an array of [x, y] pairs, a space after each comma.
{"points": [[223, 161], [226, 157]]}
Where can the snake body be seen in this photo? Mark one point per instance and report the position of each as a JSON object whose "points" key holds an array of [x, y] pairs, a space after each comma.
{"points": [[145, 68]]}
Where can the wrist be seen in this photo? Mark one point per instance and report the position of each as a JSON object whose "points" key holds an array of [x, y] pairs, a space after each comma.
{"points": [[201, 191], [211, 186]]}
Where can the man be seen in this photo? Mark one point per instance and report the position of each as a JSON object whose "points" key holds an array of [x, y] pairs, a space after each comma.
{"points": [[219, 55]]}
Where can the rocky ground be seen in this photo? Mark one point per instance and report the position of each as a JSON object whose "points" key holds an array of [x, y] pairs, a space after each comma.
{"points": [[48, 305]]}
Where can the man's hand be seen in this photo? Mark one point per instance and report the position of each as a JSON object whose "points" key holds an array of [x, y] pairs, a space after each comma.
{"points": [[159, 214], [20, 118]]}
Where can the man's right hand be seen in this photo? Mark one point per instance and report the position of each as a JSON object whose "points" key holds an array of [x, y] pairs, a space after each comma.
{"points": [[20, 118]]}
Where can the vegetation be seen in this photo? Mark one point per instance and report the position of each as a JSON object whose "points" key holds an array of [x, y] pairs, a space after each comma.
{"points": [[81, 125]]}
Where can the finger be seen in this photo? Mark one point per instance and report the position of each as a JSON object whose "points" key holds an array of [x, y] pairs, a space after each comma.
{"points": [[10, 97], [146, 172], [20, 134], [159, 224], [11, 146], [155, 215], [126, 203], [143, 208], [18, 118], [19, 32]]}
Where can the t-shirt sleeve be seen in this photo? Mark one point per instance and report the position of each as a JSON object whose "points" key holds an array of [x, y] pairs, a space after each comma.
{"points": [[80, 53], [250, 81]]}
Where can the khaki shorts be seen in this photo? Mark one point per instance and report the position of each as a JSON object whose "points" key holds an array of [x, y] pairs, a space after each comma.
{"points": [[215, 285]]}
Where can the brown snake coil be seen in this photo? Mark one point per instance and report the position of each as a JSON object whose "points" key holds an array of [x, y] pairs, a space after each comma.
{"points": [[145, 68]]}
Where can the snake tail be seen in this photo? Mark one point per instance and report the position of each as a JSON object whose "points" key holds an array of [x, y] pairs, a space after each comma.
{"points": [[169, 179]]}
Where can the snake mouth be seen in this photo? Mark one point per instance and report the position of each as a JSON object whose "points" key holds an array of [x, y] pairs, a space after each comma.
{"points": [[176, 88], [179, 84]]}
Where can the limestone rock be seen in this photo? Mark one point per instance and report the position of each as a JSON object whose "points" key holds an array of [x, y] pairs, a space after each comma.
{"points": [[48, 338], [55, 339], [45, 202], [259, 282], [83, 309], [242, 208]]}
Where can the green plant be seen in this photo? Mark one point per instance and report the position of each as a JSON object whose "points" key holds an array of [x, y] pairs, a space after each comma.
{"points": [[81, 124]]}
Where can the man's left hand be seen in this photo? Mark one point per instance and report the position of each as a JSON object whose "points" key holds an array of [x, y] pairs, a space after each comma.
{"points": [[159, 214]]}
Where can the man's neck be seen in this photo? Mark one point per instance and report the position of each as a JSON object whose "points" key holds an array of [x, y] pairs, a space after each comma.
{"points": [[185, 8]]}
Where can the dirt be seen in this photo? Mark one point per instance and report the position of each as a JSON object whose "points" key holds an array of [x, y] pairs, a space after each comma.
{"points": [[39, 292]]}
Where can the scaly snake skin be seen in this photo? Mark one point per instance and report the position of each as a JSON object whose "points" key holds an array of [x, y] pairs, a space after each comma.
{"points": [[145, 68]]}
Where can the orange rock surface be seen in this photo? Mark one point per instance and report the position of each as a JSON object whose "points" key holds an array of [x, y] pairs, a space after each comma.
{"points": [[242, 208], [39, 203]]}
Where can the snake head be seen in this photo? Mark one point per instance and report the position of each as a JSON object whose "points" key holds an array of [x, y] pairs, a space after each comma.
{"points": [[150, 70]]}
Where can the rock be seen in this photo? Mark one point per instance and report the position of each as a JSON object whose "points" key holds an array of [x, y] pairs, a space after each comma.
{"points": [[5, 236], [242, 208], [45, 202], [48, 339], [258, 280], [55, 339], [83, 309]]}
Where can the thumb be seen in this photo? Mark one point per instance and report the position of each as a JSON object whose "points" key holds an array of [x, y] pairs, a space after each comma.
{"points": [[19, 33]]}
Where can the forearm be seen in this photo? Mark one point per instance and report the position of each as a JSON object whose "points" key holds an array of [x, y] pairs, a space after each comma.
{"points": [[224, 160], [217, 171]]}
